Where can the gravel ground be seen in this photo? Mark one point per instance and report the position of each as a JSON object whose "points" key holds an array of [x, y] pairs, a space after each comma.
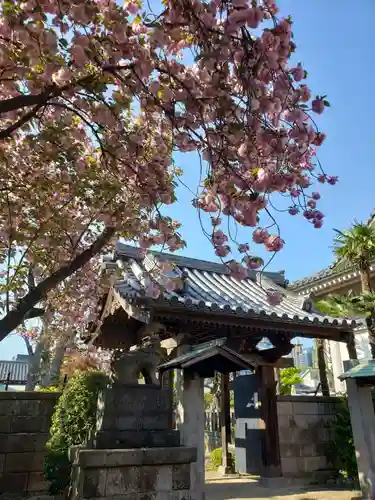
{"points": [[246, 488]]}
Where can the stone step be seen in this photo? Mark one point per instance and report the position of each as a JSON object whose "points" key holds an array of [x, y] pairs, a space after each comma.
{"points": [[138, 439]]}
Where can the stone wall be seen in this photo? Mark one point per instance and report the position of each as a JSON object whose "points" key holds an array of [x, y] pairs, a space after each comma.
{"points": [[304, 430], [25, 419]]}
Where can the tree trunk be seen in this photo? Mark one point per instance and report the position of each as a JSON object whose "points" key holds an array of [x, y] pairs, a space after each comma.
{"points": [[54, 374], [322, 367], [56, 363], [33, 374], [352, 351], [370, 322], [32, 363], [15, 317], [365, 280]]}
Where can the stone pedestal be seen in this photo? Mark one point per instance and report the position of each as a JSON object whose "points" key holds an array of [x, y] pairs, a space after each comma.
{"points": [[136, 416], [138, 474], [363, 425], [137, 455]]}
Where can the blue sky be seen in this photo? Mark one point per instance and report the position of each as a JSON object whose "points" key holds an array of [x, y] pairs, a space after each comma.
{"points": [[338, 60], [335, 45]]}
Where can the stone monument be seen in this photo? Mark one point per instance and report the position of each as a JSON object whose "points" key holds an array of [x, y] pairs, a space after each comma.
{"points": [[135, 455]]}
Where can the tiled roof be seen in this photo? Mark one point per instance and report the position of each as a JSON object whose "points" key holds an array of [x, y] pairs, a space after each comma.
{"points": [[203, 352], [209, 286], [330, 271], [17, 369], [320, 275], [363, 370], [325, 276]]}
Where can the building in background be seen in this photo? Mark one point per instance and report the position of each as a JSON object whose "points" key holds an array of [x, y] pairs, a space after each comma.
{"points": [[13, 374], [307, 356], [297, 354], [21, 357], [329, 281]]}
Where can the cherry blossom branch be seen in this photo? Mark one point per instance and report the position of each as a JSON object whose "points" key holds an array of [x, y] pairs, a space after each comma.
{"points": [[15, 317]]}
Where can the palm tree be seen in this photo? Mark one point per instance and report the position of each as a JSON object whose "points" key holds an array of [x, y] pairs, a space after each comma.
{"points": [[356, 247], [349, 306]]}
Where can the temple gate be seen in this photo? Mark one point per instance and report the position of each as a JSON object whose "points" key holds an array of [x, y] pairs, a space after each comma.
{"points": [[212, 324]]}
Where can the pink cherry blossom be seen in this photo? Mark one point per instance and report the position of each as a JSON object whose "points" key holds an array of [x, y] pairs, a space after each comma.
{"points": [[219, 238], [170, 285], [222, 250], [274, 243], [132, 8], [319, 139], [311, 203], [237, 270], [109, 102], [293, 210], [298, 73], [318, 106], [152, 289], [243, 247], [62, 77], [253, 262], [274, 298], [332, 180], [260, 235]]}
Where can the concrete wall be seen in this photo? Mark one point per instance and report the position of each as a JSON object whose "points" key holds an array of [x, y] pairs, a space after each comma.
{"points": [[25, 419], [339, 354], [304, 430]]}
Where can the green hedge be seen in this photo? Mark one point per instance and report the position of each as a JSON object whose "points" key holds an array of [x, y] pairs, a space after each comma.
{"points": [[73, 423], [340, 450]]}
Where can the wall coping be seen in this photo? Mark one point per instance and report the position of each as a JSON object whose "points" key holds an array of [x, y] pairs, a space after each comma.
{"points": [[28, 395], [308, 399], [135, 457]]}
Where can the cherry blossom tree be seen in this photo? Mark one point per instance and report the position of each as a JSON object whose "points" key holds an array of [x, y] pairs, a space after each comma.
{"points": [[95, 98], [70, 306]]}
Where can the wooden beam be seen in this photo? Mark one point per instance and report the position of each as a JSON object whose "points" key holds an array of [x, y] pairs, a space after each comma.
{"points": [[280, 363], [271, 443], [322, 366], [188, 316], [227, 465]]}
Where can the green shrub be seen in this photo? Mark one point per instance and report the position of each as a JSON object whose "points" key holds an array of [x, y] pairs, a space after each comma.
{"points": [[289, 377], [217, 458], [340, 450], [73, 423], [51, 388]]}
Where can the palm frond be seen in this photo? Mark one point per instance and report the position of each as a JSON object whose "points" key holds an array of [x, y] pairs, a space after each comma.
{"points": [[355, 246], [340, 306], [347, 306]]}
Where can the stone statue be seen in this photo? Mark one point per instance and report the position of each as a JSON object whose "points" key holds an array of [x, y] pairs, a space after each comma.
{"points": [[126, 366]]}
